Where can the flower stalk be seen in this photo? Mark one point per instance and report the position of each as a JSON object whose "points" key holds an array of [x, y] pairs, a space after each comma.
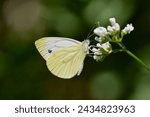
{"points": [[135, 57]]}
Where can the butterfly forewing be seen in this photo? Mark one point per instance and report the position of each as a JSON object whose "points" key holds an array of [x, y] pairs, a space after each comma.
{"points": [[47, 45]]}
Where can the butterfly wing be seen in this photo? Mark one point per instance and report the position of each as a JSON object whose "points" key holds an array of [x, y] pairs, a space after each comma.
{"points": [[64, 56], [47, 45], [67, 62]]}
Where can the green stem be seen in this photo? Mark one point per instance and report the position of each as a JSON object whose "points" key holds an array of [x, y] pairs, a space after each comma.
{"points": [[138, 60], [133, 56], [117, 50]]}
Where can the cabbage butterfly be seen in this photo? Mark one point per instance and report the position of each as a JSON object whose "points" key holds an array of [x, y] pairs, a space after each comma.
{"points": [[64, 56]]}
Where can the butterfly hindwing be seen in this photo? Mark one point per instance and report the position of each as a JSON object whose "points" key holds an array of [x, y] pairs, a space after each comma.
{"points": [[66, 62]]}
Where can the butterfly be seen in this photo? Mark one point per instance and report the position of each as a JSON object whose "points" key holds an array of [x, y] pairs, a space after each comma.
{"points": [[64, 56]]}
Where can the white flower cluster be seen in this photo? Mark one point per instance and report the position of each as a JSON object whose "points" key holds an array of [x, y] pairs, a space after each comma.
{"points": [[100, 51], [106, 35]]}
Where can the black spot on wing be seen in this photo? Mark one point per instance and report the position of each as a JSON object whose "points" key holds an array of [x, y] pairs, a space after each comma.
{"points": [[50, 51]]}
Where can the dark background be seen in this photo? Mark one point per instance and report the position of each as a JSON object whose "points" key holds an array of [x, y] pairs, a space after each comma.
{"points": [[23, 72]]}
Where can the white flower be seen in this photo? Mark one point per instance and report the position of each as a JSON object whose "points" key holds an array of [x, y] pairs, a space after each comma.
{"points": [[110, 29], [94, 50], [100, 31], [115, 26], [98, 39], [112, 21], [107, 47], [128, 29], [98, 45], [96, 57]]}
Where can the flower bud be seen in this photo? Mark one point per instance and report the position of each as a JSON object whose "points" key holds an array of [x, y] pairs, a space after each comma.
{"points": [[128, 29]]}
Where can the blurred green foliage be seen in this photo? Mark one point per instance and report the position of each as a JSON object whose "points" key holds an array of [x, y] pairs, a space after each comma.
{"points": [[23, 72]]}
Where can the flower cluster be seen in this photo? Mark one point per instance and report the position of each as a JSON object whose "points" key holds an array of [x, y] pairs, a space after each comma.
{"points": [[104, 37]]}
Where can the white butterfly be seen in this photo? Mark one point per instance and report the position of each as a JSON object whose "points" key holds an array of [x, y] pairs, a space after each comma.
{"points": [[64, 56]]}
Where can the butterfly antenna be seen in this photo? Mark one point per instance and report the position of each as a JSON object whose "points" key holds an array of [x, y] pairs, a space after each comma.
{"points": [[90, 34], [98, 24]]}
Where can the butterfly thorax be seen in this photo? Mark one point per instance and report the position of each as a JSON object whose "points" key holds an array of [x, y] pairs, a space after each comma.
{"points": [[85, 46]]}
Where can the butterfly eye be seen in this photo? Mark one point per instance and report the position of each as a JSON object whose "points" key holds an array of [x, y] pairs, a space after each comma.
{"points": [[49, 51]]}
